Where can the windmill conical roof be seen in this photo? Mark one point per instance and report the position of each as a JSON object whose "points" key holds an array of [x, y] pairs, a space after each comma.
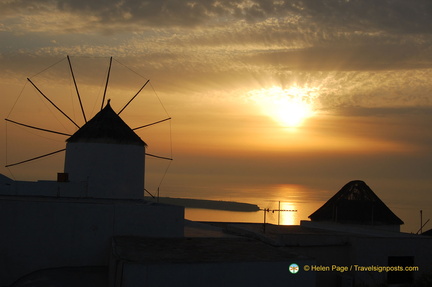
{"points": [[106, 127], [356, 203]]}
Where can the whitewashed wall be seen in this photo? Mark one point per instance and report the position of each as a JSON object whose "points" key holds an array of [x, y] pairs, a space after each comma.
{"points": [[111, 170], [43, 232]]}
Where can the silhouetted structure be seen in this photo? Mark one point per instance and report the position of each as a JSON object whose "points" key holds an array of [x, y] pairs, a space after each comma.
{"points": [[427, 233], [108, 155], [356, 203], [100, 195]]}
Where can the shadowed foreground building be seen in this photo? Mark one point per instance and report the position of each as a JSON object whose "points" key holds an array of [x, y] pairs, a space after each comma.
{"points": [[71, 222], [351, 235], [228, 261], [93, 227], [354, 227]]}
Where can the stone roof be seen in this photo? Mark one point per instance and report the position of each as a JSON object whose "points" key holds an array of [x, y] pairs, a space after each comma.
{"points": [[356, 203], [106, 127]]}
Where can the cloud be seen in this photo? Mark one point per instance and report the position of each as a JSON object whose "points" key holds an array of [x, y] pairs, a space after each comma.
{"points": [[368, 15], [392, 16], [292, 35], [349, 15], [358, 53]]}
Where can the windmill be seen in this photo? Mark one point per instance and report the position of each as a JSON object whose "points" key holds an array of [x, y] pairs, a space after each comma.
{"points": [[109, 149]]}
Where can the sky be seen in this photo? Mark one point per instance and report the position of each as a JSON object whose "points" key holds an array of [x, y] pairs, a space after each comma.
{"points": [[261, 93]]}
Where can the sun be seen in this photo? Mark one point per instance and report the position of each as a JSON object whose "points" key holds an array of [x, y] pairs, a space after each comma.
{"points": [[288, 107], [290, 112]]}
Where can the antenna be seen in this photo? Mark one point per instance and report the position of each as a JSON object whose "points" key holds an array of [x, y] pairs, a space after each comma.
{"points": [[277, 210], [421, 223], [421, 228], [106, 83]]}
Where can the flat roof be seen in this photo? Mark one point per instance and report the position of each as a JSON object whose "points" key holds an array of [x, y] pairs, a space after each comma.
{"points": [[196, 250], [92, 200], [275, 232]]}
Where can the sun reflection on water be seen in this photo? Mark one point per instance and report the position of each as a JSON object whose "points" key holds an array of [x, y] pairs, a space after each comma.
{"points": [[288, 213], [296, 203]]}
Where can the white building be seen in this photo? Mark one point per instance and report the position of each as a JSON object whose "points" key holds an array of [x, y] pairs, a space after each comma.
{"points": [[71, 222]]}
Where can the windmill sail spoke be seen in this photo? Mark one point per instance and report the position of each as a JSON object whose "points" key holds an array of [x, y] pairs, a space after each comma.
{"points": [[37, 128], [137, 162], [52, 103], [161, 157], [149, 193], [35, 158], [133, 97], [76, 88], [106, 83], [137, 128]]}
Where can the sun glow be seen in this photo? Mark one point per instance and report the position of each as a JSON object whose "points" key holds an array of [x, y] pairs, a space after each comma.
{"points": [[288, 107]]}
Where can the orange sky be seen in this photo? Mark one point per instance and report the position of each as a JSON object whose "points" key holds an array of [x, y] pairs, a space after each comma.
{"points": [[223, 70]]}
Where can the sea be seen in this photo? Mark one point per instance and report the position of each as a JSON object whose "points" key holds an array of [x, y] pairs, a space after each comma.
{"points": [[288, 204]]}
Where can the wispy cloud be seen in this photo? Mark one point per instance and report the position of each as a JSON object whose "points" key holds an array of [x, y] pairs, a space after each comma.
{"points": [[295, 35], [348, 15], [361, 54]]}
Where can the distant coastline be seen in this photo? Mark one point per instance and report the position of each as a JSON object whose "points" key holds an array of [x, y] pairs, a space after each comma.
{"points": [[208, 204]]}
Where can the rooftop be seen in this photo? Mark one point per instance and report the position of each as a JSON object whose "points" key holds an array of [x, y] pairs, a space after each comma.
{"points": [[194, 250], [106, 127], [306, 233], [356, 203]]}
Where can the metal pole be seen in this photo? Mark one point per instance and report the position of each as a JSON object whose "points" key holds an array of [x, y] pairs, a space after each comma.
{"points": [[421, 221], [106, 84], [279, 213]]}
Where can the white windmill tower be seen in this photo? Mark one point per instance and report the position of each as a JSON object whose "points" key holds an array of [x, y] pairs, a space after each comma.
{"points": [[108, 155], [104, 154]]}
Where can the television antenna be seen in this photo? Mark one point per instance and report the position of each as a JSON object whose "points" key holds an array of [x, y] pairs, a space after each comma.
{"points": [[420, 231], [278, 210]]}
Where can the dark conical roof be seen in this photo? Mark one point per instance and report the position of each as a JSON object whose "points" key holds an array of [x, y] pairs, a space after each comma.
{"points": [[356, 203], [106, 127]]}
